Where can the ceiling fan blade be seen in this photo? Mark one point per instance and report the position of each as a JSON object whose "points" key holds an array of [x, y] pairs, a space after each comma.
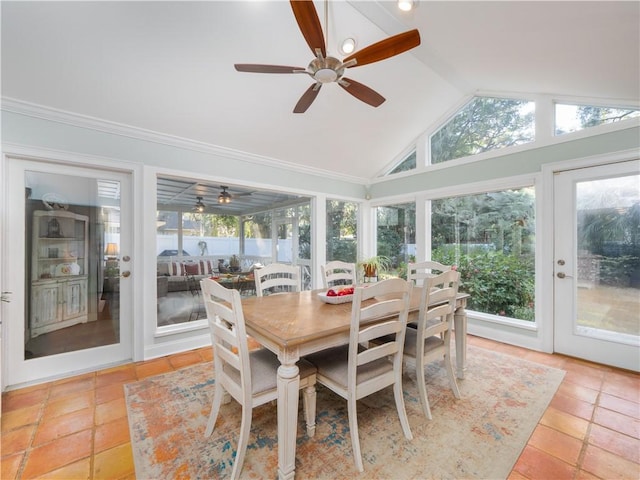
{"points": [[362, 92], [309, 24], [258, 68], [385, 48], [307, 98]]}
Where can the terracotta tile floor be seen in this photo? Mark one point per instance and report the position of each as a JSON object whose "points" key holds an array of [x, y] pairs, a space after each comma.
{"points": [[77, 427]]}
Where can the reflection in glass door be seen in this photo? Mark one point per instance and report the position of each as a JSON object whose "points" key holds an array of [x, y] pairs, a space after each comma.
{"points": [[74, 300], [597, 264], [76, 281]]}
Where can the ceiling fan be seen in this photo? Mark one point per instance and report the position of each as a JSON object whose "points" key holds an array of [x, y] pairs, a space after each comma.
{"points": [[199, 206], [225, 197], [324, 69]]}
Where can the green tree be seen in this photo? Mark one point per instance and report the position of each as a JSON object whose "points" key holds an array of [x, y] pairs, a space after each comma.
{"points": [[408, 163], [258, 225], [591, 116], [342, 221], [483, 124], [396, 229], [489, 237]]}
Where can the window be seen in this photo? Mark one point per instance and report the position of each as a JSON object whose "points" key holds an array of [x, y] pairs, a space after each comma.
{"points": [[396, 236], [408, 163], [490, 237], [484, 124], [571, 118], [342, 231]]}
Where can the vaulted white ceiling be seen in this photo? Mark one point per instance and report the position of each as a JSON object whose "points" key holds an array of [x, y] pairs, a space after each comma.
{"points": [[167, 67]]}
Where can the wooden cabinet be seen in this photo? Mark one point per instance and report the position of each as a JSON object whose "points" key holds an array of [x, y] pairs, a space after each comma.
{"points": [[59, 270]]}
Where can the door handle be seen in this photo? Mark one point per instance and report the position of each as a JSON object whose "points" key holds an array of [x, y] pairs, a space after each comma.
{"points": [[126, 273], [563, 275]]}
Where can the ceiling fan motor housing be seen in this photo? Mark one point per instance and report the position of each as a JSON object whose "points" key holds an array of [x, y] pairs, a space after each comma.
{"points": [[326, 70]]}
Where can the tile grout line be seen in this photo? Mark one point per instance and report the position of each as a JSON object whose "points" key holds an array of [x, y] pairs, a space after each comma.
{"points": [[30, 447]]}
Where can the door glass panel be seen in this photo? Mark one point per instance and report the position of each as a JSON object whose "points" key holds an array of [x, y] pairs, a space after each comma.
{"points": [[608, 257], [73, 263]]}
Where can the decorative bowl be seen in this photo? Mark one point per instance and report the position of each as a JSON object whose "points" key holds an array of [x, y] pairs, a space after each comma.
{"points": [[335, 300]]}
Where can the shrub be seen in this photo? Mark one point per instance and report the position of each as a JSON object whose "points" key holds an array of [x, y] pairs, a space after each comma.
{"points": [[498, 283]]}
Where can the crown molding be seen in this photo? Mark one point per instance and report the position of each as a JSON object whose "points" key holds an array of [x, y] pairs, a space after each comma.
{"points": [[113, 128]]}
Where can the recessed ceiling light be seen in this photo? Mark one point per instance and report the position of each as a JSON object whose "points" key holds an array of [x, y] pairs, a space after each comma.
{"points": [[348, 45], [406, 5]]}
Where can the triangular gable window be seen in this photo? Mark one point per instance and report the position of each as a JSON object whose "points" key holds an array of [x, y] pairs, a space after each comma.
{"points": [[408, 163]]}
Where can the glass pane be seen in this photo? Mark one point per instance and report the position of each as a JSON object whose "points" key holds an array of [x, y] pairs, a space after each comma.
{"points": [[257, 236], [304, 245], [608, 224], [490, 237], [167, 234], [342, 231], [285, 236], [482, 125], [73, 245], [408, 163], [396, 237], [304, 232], [571, 118]]}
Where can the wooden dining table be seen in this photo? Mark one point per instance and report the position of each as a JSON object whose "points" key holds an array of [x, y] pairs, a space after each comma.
{"points": [[296, 324]]}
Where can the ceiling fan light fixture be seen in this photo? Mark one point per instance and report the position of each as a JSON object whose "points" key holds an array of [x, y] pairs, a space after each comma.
{"points": [[348, 46], [199, 206], [224, 196], [406, 5], [326, 75]]}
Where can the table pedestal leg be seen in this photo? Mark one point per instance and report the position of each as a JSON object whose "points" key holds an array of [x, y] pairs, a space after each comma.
{"points": [[460, 327], [288, 393]]}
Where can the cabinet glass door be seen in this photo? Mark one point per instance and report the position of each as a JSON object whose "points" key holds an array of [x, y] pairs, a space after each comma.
{"points": [[77, 301]]}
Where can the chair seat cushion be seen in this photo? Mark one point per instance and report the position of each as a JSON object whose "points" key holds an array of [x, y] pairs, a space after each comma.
{"points": [[411, 342], [332, 363], [264, 370]]}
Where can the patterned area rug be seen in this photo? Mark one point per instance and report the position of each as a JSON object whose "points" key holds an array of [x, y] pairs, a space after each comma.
{"points": [[479, 436]]}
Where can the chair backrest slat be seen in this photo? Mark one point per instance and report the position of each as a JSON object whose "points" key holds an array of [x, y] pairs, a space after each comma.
{"points": [[418, 272], [278, 275], [438, 304], [338, 273], [375, 352]]}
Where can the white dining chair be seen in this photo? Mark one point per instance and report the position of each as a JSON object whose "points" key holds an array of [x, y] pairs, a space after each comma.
{"points": [[354, 371], [338, 273], [431, 339], [250, 377], [277, 278], [417, 272]]}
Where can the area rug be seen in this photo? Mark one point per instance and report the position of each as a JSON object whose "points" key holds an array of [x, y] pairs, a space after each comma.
{"points": [[479, 436]]}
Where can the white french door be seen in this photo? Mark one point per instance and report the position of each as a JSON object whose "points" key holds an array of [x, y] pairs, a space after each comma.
{"points": [[597, 264], [68, 266]]}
